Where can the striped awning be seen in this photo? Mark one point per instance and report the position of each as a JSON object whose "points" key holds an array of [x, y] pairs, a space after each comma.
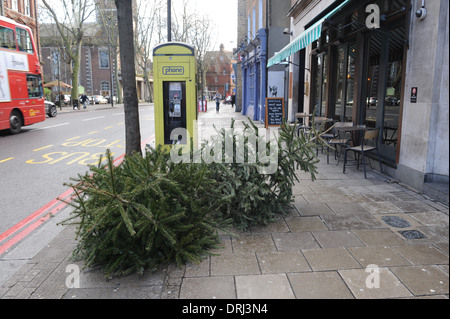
{"points": [[303, 40]]}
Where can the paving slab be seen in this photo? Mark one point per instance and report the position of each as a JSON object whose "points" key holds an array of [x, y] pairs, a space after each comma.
{"points": [[351, 222], [330, 259], [382, 256], [376, 237], [208, 288], [423, 280], [313, 209], [422, 254], [294, 241], [363, 285], [234, 264], [301, 224], [319, 285], [282, 262], [272, 286], [337, 238]]}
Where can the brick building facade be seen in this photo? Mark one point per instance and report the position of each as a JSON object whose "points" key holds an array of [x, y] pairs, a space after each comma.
{"points": [[24, 12], [220, 71]]}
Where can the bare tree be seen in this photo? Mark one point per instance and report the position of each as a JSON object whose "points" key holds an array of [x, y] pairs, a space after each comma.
{"points": [[127, 59], [108, 20], [70, 25], [147, 20], [189, 26]]}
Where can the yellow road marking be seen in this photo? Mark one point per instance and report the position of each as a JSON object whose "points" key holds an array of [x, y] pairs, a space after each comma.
{"points": [[5, 160], [42, 148], [73, 138], [93, 132], [109, 127]]}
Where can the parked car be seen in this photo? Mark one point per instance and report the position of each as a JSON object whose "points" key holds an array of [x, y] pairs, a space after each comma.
{"points": [[100, 99], [372, 100], [50, 109], [115, 98], [66, 100]]}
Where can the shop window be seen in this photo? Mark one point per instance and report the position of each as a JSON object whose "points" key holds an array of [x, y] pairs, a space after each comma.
{"points": [[350, 85], [394, 83], [319, 81]]}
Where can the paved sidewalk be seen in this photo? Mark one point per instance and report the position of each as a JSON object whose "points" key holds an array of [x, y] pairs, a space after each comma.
{"points": [[89, 108], [344, 236]]}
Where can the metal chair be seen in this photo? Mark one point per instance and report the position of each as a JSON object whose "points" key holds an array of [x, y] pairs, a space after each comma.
{"points": [[369, 135], [339, 138]]}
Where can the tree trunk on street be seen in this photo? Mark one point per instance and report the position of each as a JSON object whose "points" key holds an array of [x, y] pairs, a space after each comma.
{"points": [[128, 71]]}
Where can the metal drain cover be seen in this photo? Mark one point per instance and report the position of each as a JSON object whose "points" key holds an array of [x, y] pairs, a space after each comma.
{"points": [[397, 222], [413, 234]]}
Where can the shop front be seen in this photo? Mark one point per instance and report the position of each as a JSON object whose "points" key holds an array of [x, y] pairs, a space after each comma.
{"points": [[354, 63], [355, 73]]}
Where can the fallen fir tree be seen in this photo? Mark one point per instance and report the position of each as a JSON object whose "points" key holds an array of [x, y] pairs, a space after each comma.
{"points": [[150, 210]]}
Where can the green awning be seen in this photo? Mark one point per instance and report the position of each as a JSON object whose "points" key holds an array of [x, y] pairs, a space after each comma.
{"points": [[303, 40]]}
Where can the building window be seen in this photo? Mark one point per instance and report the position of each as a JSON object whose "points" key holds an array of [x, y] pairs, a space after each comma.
{"points": [[24, 40], [27, 7], [104, 59], [104, 88], [15, 5]]}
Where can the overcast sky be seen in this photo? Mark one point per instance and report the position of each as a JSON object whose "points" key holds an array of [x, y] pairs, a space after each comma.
{"points": [[223, 14]]}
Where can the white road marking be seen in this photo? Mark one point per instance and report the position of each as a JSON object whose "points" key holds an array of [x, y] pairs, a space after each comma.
{"points": [[93, 118], [47, 127]]}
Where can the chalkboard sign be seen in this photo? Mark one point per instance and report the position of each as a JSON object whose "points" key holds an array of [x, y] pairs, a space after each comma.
{"points": [[274, 111]]}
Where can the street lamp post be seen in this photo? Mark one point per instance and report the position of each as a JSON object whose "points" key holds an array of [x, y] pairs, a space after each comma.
{"points": [[58, 78], [169, 21]]}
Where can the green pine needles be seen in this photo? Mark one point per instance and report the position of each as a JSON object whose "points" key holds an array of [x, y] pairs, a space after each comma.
{"points": [[149, 210]]}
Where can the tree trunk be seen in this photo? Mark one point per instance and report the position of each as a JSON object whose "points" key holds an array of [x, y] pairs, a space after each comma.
{"points": [[76, 70], [132, 127]]}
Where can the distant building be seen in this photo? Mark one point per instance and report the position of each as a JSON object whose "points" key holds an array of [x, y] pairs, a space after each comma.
{"points": [[220, 72], [260, 37], [100, 61]]}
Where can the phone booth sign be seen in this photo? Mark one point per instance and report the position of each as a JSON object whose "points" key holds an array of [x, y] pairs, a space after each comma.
{"points": [[175, 88]]}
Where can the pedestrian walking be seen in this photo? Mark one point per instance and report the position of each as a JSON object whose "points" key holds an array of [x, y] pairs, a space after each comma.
{"points": [[233, 100], [83, 100], [218, 98]]}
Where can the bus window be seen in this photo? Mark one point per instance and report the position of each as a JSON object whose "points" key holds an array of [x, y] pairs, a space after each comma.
{"points": [[24, 40], [7, 38], [34, 85]]}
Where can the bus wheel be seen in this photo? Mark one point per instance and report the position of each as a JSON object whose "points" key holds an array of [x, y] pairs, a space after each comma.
{"points": [[15, 121]]}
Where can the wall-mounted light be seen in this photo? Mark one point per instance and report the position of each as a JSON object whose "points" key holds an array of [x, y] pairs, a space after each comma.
{"points": [[422, 12], [286, 31]]}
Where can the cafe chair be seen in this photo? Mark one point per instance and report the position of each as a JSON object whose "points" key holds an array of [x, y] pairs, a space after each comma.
{"points": [[339, 139], [302, 122], [369, 135]]}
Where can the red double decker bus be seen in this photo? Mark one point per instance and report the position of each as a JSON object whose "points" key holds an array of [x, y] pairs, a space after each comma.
{"points": [[21, 91]]}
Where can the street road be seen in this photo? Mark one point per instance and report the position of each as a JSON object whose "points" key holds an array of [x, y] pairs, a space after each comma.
{"points": [[35, 164]]}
